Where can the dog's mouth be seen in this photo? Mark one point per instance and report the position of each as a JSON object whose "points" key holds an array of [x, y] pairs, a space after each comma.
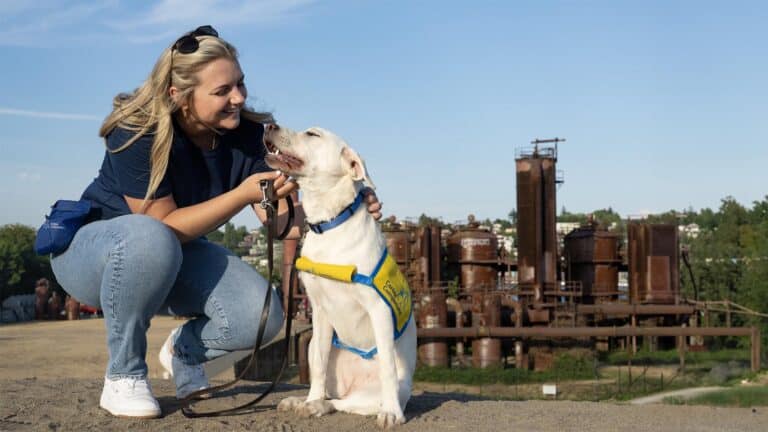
{"points": [[281, 160], [270, 146]]}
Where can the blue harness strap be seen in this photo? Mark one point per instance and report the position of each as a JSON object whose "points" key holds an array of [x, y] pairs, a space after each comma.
{"points": [[340, 218]]}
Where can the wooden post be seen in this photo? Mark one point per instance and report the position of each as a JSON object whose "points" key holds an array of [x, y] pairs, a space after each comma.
{"points": [[681, 348], [755, 349], [634, 338]]}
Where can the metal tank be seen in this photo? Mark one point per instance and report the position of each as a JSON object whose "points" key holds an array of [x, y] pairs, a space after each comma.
{"points": [[474, 252], [592, 259], [486, 312], [398, 240], [432, 313], [653, 263], [536, 219], [428, 257]]}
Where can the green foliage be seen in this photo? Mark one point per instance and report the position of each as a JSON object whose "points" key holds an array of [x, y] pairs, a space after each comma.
{"points": [[671, 357], [216, 236], [425, 220], [453, 288], [604, 217], [564, 369], [736, 397], [512, 215], [230, 238], [729, 259], [20, 267]]}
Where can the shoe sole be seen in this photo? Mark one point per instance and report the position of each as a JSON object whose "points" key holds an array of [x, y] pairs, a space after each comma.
{"points": [[203, 396], [126, 416]]}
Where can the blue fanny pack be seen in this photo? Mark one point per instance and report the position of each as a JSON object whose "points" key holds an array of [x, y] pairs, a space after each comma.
{"points": [[60, 226]]}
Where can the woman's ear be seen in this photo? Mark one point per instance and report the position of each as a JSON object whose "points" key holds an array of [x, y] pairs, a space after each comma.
{"points": [[173, 94]]}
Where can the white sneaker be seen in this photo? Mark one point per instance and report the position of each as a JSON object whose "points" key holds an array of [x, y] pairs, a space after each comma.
{"points": [[129, 397], [188, 378]]}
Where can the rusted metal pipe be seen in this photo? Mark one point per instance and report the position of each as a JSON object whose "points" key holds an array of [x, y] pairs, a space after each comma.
{"points": [[458, 308], [72, 307], [432, 313]]}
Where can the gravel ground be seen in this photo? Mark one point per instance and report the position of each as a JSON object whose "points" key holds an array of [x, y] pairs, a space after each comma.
{"points": [[50, 380]]}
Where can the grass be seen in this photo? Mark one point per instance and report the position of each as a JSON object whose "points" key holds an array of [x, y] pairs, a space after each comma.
{"points": [[652, 372], [736, 397], [672, 357], [566, 367]]}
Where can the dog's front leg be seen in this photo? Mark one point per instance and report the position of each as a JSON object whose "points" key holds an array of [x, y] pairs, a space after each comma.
{"points": [[391, 413], [319, 351]]}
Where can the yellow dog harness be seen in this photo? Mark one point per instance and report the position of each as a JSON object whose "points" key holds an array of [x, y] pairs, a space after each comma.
{"points": [[386, 280]]}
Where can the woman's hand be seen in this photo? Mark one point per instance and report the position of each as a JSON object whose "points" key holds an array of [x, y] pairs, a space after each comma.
{"points": [[283, 187], [372, 202]]}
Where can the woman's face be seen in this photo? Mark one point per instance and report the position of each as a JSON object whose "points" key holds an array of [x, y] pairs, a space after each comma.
{"points": [[218, 99]]}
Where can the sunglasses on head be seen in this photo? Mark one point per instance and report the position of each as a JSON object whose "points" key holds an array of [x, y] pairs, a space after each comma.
{"points": [[188, 43]]}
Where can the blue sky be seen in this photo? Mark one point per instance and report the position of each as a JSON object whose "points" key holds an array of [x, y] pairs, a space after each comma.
{"points": [[663, 104]]}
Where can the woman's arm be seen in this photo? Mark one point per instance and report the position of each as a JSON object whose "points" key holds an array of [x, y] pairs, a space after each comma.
{"points": [[196, 220]]}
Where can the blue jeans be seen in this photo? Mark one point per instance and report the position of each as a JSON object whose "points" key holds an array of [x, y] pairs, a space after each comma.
{"points": [[133, 267]]}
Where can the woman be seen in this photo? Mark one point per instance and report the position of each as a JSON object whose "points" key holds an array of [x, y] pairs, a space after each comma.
{"points": [[183, 156]]}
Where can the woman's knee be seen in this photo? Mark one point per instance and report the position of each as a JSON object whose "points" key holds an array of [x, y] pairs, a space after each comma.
{"points": [[149, 245], [245, 322]]}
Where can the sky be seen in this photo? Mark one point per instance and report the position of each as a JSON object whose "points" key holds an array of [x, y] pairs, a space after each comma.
{"points": [[662, 103]]}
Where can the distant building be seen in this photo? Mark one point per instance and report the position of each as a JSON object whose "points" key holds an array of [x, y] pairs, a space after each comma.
{"points": [[691, 230], [564, 228], [506, 242]]}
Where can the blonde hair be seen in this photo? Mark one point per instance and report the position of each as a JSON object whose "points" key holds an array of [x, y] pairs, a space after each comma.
{"points": [[149, 109]]}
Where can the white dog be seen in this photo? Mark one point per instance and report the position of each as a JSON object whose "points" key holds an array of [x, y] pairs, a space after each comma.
{"points": [[363, 349]]}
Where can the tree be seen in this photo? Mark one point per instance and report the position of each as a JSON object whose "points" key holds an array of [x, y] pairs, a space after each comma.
{"points": [[504, 223], [233, 237], [216, 236], [512, 215], [20, 267], [425, 220]]}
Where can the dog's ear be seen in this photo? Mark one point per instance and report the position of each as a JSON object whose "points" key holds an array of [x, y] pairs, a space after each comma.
{"points": [[356, 167]]}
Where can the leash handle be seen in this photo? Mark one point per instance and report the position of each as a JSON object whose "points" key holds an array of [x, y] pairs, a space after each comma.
{"points": [[267, 194], [270, 204]]}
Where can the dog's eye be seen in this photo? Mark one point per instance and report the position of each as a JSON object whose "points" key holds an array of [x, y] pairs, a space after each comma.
{"points": [[313, 134]]}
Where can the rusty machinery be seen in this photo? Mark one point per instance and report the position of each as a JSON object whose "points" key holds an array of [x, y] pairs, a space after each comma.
{"points": [[418, 253], [458, 293], [473, 255], [536, 235]]}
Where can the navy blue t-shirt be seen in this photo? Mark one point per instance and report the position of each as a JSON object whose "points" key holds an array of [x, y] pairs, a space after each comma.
{"points": [[193, 175]]}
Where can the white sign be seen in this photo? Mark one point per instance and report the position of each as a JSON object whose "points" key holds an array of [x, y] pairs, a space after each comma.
{"points": [[470, 242], [549, 389]]}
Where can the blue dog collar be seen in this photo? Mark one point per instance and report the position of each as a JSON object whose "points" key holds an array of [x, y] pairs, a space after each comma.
{"points": [[340, 218]]}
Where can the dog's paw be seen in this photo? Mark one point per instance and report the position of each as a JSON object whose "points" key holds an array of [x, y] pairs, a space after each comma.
{"points": [[386, 420], [290, 404], [316, 408]]}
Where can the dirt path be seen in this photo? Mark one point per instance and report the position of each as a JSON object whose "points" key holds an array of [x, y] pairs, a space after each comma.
{"points": [[51, 378], [683, 393]]}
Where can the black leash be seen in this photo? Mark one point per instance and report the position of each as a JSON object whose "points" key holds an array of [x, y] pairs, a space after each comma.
{"points": [[270, 204]]}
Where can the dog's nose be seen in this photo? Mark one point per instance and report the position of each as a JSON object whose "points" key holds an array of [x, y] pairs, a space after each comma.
{"points": [[272, 127]]}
